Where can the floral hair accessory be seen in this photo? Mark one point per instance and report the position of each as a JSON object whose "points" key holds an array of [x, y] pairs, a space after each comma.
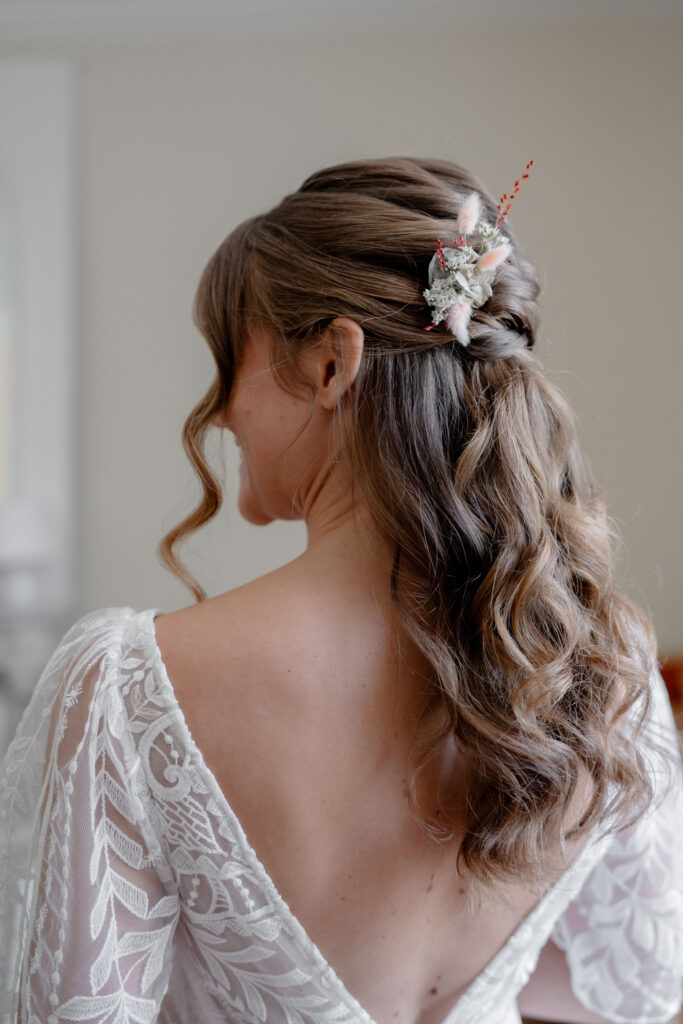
{"points": [[461, 277]]}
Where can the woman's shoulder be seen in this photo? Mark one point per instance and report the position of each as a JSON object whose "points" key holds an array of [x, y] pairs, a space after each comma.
{"points": [[94, 647], [103, 626], [228, 650], [266, 629], [90, 638]]}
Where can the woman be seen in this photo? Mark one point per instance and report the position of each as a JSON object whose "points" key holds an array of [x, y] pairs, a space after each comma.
{"points": [[378, 783]]}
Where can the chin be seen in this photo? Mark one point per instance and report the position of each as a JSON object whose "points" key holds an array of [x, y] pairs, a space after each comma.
{"points": [[254, 515], [247, 508]]}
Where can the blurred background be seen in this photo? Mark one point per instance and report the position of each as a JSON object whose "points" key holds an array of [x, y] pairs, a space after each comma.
{"points": [[135, 136]]}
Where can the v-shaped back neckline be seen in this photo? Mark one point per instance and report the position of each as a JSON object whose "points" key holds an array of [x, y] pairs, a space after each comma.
{"points": [[521, 935]]}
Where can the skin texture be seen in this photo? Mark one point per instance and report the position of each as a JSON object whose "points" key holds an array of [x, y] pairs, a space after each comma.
{"points": [[291, 469], [280, 477], [303, 704]]}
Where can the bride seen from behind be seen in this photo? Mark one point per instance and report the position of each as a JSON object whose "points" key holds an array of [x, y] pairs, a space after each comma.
{"points": [[462, 669], [425, 761]]}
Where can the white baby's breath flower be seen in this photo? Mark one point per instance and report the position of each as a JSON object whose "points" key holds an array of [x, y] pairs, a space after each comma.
{"points": [[459, 277]]}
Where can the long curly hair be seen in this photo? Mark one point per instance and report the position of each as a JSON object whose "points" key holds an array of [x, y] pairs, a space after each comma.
{"points": [[469, 463]]}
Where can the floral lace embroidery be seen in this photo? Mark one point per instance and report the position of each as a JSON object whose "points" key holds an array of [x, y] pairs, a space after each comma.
{"points": [[129, 892]]}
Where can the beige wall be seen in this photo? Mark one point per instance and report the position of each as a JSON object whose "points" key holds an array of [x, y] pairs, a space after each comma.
{"points": [[181, 142]]}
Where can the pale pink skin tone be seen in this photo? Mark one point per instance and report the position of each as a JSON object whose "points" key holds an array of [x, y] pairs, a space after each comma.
{"points": [[298, 482]]}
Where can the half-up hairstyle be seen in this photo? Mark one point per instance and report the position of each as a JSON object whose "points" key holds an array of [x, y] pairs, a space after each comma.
{"points": [[469, 463]]}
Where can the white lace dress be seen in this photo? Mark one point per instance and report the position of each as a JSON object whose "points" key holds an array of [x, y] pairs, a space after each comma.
{"points": [[129, 891]]}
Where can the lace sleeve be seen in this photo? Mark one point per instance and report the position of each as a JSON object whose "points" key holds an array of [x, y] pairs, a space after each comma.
{"points": [[88, 907], [623, 934]]}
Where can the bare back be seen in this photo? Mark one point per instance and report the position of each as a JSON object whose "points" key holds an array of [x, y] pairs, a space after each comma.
{"points": [[304, 712]]}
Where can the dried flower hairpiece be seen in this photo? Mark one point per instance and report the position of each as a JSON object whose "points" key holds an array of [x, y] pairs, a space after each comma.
{"points": [[461, 277]]}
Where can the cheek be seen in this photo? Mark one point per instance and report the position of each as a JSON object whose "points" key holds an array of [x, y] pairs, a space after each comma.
{"points": [[243, 421]]}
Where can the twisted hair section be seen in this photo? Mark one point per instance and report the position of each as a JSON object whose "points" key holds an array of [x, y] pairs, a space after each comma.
{"points": [[469, 463]]}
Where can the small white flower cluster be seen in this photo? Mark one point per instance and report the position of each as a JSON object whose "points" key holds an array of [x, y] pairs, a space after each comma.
{"points": [[462, 278]]}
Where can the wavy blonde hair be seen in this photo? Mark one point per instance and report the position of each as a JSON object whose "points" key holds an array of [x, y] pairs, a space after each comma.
{"points": [[469, 463]]}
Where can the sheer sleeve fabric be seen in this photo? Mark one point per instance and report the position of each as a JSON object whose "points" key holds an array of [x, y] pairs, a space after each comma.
{"points": [[88, 906], [623, 934]]}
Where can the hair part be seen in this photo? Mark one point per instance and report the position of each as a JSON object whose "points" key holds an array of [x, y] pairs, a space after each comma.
{"points": [[469, 463]]}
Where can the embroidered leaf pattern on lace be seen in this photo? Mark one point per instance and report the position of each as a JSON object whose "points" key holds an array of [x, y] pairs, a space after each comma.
{"points": [[129, 892]]}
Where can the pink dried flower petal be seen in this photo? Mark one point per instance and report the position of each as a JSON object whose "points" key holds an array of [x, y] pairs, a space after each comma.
{"points": [[491, 259], [469, 214], [458, 317]]}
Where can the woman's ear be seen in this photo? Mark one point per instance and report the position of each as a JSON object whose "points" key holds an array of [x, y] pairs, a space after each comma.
{"points": [[337, 359]]}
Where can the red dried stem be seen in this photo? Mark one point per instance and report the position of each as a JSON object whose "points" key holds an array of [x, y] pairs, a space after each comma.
{"points": [[509, 198], [439, 253]]}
